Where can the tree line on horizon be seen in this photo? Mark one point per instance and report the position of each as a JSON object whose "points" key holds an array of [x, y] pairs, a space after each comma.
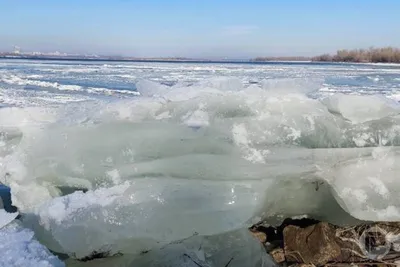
{"points": [[374, 55]]}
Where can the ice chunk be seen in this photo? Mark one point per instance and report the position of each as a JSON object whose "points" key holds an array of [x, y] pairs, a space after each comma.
{"points": [[24, 118], [226, 83], [196, 119], [19, 248], [300, 86], [395, 96], [234, 249], [240, 136], [359, 109], [367, 187], [6, 218], [149, 88], [142, 214], [215, 194], [133, 110]]}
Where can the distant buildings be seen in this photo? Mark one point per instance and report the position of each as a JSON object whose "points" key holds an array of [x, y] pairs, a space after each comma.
{"points": [[17, 50], [18, 53]]}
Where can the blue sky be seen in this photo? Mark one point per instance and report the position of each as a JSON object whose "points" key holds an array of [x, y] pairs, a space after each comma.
{"points": [[198, 28]]}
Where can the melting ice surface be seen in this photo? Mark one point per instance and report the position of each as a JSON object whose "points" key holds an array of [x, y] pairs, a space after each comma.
{"points": [[132, 158]]}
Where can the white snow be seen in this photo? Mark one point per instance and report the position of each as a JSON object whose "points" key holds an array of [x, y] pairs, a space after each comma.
{"points": [[19, 248]]}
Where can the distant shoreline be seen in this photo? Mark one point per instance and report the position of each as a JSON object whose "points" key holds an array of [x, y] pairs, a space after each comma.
{"points": [[162, 60], [385, 55], [153, 60], [280, 60]]}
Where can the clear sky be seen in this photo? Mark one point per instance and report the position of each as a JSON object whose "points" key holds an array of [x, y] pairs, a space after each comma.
{"points": [[198, 28]]}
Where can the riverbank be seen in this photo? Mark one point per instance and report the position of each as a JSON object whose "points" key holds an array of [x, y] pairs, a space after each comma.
{"points": [[371, 55], [384, 55]]}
